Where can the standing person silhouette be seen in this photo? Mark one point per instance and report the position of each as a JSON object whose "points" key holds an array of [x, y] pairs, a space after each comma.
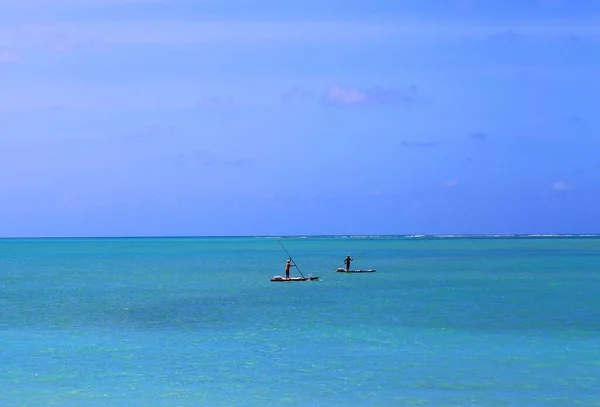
{"points": [[347, 260]]}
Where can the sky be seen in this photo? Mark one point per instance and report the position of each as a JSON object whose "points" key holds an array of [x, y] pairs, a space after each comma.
{"points": [[298, 117]]}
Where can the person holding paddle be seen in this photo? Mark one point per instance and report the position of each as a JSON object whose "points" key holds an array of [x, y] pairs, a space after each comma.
{"points": [[288, 264], [347, 260]]}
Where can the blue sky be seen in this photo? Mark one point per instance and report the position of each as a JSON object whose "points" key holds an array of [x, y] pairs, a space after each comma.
{"points": [[264, 117]]}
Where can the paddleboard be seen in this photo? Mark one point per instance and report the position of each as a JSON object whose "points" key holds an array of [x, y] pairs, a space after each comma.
{"points": [[343, 270], [287, 280]]}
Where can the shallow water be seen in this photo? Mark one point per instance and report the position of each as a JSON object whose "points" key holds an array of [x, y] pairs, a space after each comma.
{"points": [[195, 321]]}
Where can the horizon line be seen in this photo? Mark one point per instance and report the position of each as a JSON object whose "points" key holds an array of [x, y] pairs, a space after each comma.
{"points": [[413, 235]]}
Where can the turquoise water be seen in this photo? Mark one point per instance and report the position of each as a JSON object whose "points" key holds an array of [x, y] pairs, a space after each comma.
{"points": [[195, 321]]}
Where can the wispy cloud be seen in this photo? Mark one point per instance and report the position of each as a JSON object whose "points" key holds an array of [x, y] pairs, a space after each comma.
{"points": [[561, 186], [174, 93], [75, 200], [217, 101], [346, 96], [10, 57], [450, 183], [479, 136], [574, 120], [181, 32], [353, 96], [196, 158], [298, 93], [509, 35], [463, 4], [72, 3], [419, 144], [153, 134], [178, 32]]}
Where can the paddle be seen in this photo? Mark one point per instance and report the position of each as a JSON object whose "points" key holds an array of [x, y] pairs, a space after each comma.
{"points": [[290, 256]]}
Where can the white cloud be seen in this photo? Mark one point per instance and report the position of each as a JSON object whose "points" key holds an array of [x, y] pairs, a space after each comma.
{"points": [[342, 96], [561, 186]]}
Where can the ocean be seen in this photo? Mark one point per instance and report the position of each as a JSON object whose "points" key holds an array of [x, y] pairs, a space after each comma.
{"points": [[444, 321]]}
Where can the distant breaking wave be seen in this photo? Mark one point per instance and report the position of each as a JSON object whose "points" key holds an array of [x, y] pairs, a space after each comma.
{"points": [[445, 236]]}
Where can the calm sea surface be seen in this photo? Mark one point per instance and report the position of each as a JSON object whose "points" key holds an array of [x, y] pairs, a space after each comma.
{"points": [[445, 321]]}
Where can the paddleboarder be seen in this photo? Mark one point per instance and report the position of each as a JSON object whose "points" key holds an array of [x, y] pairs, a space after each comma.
{"points": [[288, 264], [347, 260]]}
